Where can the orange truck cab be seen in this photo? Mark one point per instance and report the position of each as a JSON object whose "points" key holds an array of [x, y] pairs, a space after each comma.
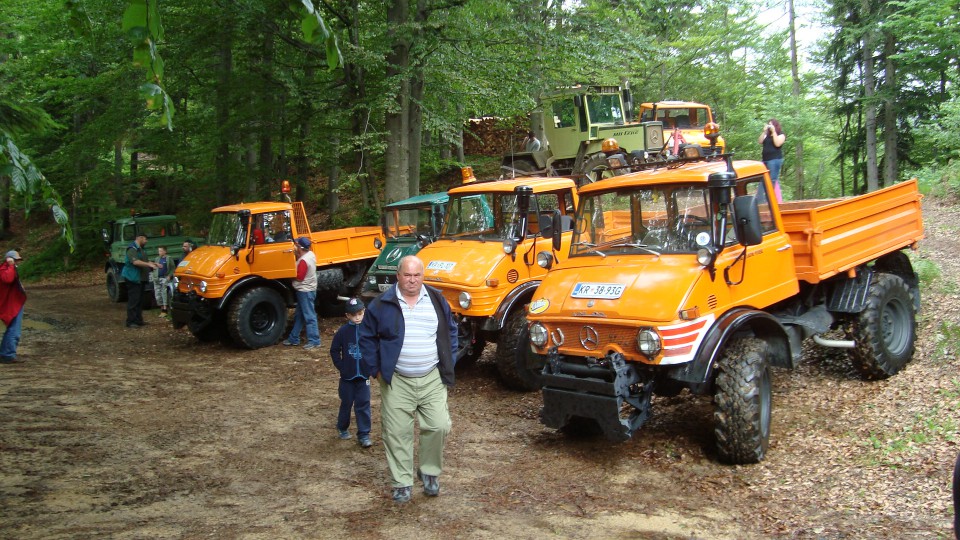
{"points": [[239, 283], [682, 121], [496, 245], [691, 277]]}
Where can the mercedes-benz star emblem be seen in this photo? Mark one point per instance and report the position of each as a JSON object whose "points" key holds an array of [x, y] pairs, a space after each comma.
{"points": [[394, 255], [589, 338]]}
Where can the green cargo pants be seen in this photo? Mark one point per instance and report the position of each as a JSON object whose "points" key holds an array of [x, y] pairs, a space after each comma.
{"points": [[425, 397]]}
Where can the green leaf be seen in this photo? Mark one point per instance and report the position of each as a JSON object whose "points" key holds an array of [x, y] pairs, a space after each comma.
{"points": [[153, 21], [135, 15], [309, 25], [141, 55], [333, 54]]}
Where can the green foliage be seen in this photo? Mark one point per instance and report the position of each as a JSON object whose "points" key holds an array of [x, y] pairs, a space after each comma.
{"points": [[258, 98], [141, 23], [947, 344], [926, 270]]}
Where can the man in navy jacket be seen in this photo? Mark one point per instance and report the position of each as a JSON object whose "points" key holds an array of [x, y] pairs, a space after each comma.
{"points": [[407, 341]]}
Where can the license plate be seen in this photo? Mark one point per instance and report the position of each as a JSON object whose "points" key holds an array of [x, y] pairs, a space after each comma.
{"points": [[441, 265], [607, 291]]}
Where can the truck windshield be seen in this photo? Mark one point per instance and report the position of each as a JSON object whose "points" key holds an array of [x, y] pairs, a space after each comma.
{"points": [[158, 229], [605, 109], [226, 230], [652, 220], [488, 216], [409, 222]]}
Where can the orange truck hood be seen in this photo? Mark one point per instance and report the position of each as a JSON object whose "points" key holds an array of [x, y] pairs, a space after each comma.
{"points": [[204, 261], [655, 288], [464, 263]]}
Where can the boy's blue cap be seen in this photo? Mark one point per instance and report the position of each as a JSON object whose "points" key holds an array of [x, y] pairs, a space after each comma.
{"points": [[354, 305]]}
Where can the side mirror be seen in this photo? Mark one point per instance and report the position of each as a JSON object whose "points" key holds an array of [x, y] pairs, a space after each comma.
{"points": [[383, 226], [245, 222], [746, 214], [556, 227], [578, 101], [106, 236]]}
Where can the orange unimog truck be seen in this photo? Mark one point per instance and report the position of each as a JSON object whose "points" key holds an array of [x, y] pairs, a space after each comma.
{"points": [[495, 246], [690, 277], [239, 284]]}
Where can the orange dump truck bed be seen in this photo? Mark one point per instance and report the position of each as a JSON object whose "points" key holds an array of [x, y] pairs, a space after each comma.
{"points": [[830, 236], [344, 245]]}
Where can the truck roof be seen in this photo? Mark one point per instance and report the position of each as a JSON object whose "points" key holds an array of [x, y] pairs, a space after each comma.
{"points": [[539, 185], [673, 105], [688, 172], [255, 208], [426, 198]]}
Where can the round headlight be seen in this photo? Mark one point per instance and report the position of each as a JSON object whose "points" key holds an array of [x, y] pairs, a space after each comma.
{"points": [[371, 279], [704, 256], [648, 341], [545, 259], [465, 300], [203, 286], [538, 335]]}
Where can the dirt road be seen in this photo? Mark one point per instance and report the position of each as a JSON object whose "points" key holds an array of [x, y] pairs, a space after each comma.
{"points": [[147, 433]]}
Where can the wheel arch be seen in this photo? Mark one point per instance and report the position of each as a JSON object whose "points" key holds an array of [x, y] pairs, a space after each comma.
{"points": [[249, 282], [736, 322], [518, 296]]}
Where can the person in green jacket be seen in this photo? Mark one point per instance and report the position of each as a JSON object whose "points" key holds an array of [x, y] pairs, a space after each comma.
{"points": [[136, 271]]}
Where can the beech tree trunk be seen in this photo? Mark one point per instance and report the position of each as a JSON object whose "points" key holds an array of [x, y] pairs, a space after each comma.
{"points": [[869, 107], [797, 134], [397, 119], [890, 159]]}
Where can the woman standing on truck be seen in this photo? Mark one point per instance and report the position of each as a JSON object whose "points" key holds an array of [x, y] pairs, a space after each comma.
{"points": [[772, 139]]}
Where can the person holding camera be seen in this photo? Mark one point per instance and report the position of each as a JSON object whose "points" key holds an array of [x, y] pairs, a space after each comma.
{"points": [[772, 139], [12, 298]]}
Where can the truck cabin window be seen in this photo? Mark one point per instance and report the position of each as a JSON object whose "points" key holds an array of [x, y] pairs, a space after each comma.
{"points": [[665, 219], [755, 186], [564, 113], [605, 109], [226, 229], [271, 227]]}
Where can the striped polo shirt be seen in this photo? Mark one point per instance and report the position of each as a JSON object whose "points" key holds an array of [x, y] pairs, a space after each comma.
{"points": [[418, 356]]}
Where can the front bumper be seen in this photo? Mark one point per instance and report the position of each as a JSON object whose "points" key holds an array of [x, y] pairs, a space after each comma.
{"points": [[191, 308]]}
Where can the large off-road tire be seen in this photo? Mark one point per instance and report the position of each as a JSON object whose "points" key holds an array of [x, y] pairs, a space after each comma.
{"points": [[329, 279], [209, 331], [468, 337], [257, 318], [742, 400], [899, 264], [885, 331], [594, 169], [516, 363], [116, 290]]}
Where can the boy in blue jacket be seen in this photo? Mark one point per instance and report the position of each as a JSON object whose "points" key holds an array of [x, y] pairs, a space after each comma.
{"points": [[354, 387]]}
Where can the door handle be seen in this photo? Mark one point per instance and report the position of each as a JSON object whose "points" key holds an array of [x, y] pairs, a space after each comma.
{"points": [[784, 248]]}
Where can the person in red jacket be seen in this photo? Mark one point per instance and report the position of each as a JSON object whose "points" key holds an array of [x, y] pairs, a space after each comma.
{"points": [[12, 298]]}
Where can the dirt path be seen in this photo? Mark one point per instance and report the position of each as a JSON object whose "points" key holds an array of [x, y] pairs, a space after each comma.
{"points": [[146, 433]]}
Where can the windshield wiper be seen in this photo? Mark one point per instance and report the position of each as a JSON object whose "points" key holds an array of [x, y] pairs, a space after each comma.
{"points": [[591, 245], [637, 245]]}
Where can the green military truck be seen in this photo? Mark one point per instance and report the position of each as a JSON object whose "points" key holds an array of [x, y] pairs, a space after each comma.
{"points": [[408, 225], [160, 230], [576, 122]]}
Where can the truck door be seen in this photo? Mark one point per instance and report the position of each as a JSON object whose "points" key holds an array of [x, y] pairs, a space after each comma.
{"points": [[275, 258], [769, 274]]}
